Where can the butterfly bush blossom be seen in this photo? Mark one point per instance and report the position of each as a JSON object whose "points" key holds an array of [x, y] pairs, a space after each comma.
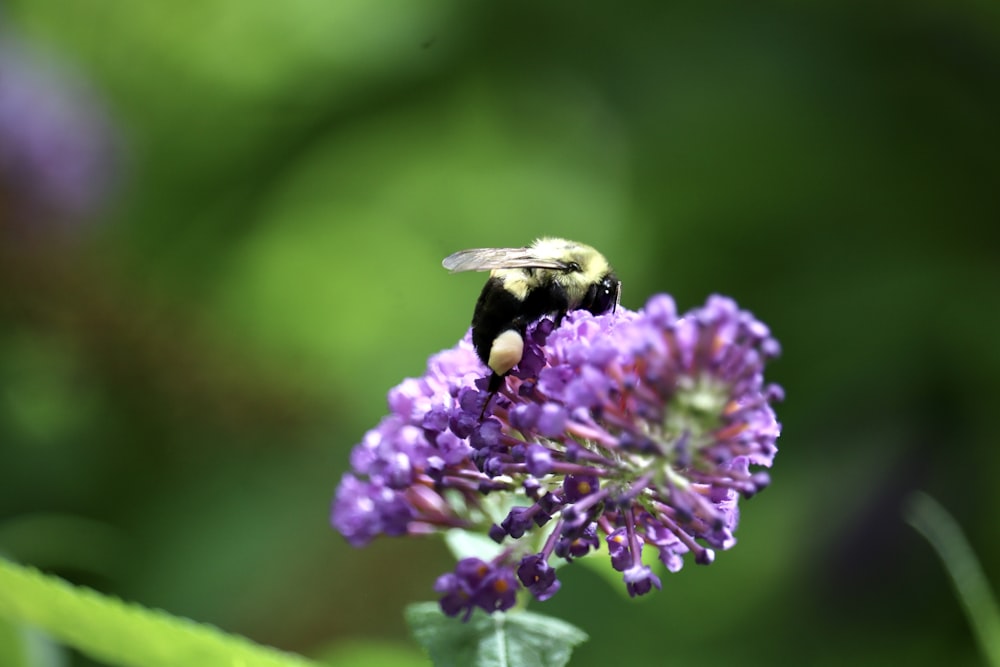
{"points": [[59, 151], [632, 429]]}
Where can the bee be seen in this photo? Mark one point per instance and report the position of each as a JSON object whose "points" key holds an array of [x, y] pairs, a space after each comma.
{"points": [[550, 277]]}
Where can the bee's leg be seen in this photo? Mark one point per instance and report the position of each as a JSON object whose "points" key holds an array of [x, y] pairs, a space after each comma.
{"points": [[496, 381]]}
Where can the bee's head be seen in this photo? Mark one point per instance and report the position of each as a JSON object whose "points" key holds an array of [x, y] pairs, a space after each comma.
{"points": [[588, 279]]}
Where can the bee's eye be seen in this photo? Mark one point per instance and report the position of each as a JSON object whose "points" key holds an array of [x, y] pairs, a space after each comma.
{"points": [[573, 267], [605, 296]]}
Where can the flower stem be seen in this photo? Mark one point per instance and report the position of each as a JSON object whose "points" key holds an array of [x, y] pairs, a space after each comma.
{"points": [[932, 521]]}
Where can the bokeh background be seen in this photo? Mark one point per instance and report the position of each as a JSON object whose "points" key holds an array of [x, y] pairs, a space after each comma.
{"points": [[221, 226]]}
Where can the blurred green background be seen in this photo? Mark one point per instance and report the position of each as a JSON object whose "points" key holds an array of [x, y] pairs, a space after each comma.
{"points": [[185, 367]]}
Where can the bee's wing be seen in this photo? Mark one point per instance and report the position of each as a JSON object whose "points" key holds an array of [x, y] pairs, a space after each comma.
{"points": [[486, 259]]}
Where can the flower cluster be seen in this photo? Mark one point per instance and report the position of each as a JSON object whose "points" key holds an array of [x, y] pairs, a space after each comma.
{"points": [[634, 429]]}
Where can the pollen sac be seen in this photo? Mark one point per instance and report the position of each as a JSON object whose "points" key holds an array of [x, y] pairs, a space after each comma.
{"points": [[506, 352]]}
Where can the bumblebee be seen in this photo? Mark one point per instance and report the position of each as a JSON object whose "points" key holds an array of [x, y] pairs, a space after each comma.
{"points": [[550, 277]]}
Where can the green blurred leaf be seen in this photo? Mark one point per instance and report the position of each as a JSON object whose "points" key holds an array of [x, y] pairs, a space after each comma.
{"points": [[373, 653], [23, 646], [516, 639], [62, 540], [119, 633], [13, 651], [243, 48], [468, 544], [342, 266], [40, 396]]}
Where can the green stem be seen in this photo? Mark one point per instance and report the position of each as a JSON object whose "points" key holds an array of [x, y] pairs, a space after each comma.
{"points": [[932, 521]]}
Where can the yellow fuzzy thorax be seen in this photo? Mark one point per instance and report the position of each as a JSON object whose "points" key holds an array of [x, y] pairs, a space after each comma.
{"points": [[593, 266]]}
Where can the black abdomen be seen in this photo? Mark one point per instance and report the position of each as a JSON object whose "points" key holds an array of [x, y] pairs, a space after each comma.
{"points": [[497, 310]]}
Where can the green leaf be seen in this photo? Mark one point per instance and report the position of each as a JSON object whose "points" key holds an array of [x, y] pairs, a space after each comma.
{"points": [[119, 633], [13, 650], [24, 646], [468, 544], [373, 653], [517, 639]]}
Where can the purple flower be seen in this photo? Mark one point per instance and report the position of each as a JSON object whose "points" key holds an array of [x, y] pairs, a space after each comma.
{"points": [[644, 427], [538, 576], [639, 580], [476, 583], [363, 510], [57, 146], [579, 545]]}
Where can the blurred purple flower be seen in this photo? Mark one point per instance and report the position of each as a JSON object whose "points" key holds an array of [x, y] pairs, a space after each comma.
{"points": [[640, 426], [57, 146]]}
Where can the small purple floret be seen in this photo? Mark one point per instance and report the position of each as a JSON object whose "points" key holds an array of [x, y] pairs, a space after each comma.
{"points": [[538, 576], [476, 583]]}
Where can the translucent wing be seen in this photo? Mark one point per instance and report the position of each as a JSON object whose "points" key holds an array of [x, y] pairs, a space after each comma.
{"points": [[486, 259]]}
